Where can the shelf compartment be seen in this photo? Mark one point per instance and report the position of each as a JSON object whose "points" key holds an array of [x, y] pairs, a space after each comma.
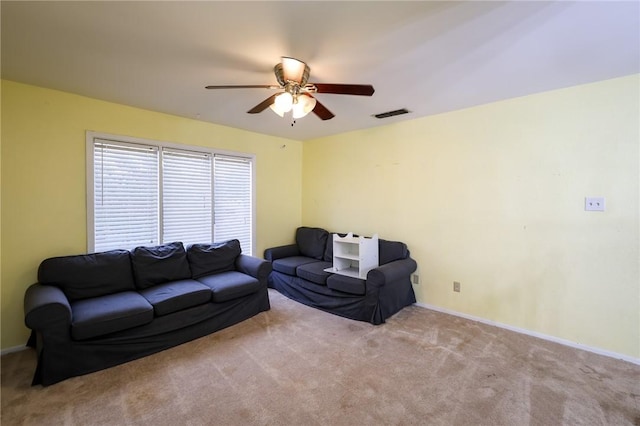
{"points": [[348, 256], [354, 256], [349, 272]]}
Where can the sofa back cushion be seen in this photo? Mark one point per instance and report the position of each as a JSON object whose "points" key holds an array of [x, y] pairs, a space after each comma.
{"points": [[159, 264], [207, 259], [88, 275], [388, 251], [312, 241]]}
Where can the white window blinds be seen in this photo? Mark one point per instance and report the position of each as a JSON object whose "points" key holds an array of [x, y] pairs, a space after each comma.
{"points": [[125, 195], [232, 200], [144, 193], [186, 200]]}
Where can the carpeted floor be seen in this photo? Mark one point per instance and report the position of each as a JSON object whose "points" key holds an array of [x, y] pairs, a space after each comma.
{"points": [[295, 365]]}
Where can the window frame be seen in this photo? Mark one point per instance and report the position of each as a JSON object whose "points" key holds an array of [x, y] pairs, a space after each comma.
{"points": [[91, 136]]}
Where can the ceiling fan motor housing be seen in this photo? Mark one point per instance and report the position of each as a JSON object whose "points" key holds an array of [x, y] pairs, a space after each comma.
{"points": [[292, 71]]}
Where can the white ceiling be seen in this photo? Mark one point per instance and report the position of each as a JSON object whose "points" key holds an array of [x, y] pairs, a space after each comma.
{"points": [[428, 57]]}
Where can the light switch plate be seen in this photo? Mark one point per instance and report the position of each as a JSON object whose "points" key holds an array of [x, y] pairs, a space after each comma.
{"points": [[594, 204]]}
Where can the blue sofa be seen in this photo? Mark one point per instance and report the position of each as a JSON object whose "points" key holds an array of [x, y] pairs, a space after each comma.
{"points": [[89, 312], [298, 272]]}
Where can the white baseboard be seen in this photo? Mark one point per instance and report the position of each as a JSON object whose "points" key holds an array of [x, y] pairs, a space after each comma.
{"points": [[565, 342], [13, 349]]}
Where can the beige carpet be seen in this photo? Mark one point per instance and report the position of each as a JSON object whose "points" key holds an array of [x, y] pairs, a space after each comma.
{"points": [[295, 365]]}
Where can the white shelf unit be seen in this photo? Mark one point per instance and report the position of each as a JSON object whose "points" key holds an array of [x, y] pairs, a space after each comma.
{"points": [[354, 256]]}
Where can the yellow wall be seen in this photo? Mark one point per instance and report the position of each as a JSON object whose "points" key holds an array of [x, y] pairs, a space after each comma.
{"points": [[493, 197], [43, 179]]}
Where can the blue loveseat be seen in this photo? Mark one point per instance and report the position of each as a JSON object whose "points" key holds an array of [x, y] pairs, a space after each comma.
{"points": [[89, 312], [299, 273]]}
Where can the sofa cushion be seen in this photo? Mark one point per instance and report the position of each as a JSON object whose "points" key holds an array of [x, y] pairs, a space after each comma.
{"points": [[288, 265], [388, 251], [327, 256], [311, 241], [206, 259], [176, 296], [230, 285], [314, 272], [88, 275], [107, 314], [159, 264], [346, 284]]}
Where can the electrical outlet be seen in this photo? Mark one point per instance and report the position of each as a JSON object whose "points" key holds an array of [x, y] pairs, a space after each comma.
{"points": [[416, 279], [594, 204], [456, 286]]}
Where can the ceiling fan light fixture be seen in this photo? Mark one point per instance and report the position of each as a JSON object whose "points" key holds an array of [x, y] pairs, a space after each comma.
{"points": [[282, 103], [276, 110], [304, 105]]}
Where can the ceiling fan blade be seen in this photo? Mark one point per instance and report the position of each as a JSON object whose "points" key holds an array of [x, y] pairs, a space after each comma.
{"points": [[250, 86], [322, 111], [345, 89], [263, 105]]}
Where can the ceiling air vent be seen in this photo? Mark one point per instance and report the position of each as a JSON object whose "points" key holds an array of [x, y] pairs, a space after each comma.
{"points": [[392, 113]]}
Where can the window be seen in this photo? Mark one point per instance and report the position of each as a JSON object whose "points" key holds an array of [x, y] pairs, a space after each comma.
{"points": [[149, 193], [233, 213], [125, 195], [186, 201]]}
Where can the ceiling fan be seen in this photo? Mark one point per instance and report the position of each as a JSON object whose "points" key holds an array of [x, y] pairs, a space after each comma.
{"points": [[292, 76]]}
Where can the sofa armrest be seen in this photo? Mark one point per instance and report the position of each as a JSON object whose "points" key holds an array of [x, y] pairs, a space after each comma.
{"points": [[280, 252], [392, 271], [256, 267], [46, 307]]}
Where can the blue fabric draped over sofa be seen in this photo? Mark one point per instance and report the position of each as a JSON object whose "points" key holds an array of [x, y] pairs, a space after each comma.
{"points": [[89, 312], [299, 273]]}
